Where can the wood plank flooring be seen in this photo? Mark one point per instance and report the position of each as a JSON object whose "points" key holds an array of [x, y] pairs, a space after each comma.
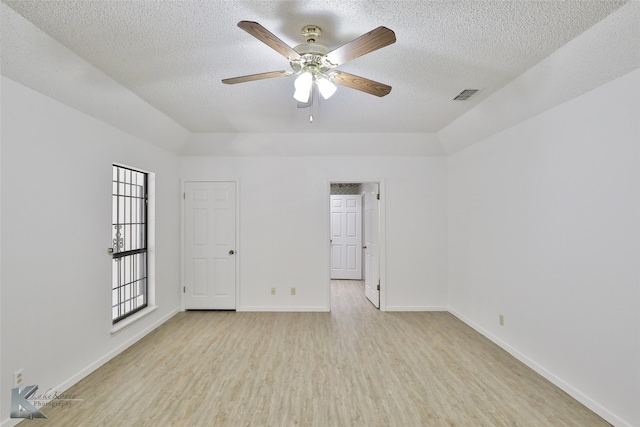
{"points": [[355, 366]]}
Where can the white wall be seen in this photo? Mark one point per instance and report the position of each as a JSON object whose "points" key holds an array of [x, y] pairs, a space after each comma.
{"points": [[544, 228], [36, 60], [56, 215], [313, 143], [284, 226], [606, 51]]}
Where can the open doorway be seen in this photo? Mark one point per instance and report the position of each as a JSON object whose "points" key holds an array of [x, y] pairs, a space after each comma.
{"points": [[357, 236]]}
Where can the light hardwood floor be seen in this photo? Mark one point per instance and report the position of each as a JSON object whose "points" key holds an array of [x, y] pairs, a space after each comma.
{"points": [[355, 366]]}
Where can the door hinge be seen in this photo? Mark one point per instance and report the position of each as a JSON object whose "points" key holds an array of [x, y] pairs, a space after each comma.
{"points": [[378, 196], [378, 284], [184, 289], [184, 196]]}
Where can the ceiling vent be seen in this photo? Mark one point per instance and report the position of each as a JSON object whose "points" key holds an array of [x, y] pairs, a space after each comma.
{"points": [[466, 94]]}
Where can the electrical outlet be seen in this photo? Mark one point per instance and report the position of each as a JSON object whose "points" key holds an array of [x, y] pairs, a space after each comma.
{"points": [[273, 291], [293, 291], [18, 378], [501, 320]]}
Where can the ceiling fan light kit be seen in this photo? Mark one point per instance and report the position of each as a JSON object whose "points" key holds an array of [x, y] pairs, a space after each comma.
{"points": [[326, 87], [303, 85], [314, 62]]}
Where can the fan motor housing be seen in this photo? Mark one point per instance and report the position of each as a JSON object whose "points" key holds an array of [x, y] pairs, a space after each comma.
{"points": [[312, 48], [312, 54]]}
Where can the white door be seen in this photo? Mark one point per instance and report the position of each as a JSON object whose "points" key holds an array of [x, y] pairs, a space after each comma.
{"points": [[372, 244], [209, 245], [346, 237]]}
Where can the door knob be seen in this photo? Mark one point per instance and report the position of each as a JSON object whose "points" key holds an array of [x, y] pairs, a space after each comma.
{"points": [[231, 252]]}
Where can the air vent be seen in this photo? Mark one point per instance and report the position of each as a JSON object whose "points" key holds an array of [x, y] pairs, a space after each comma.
{"points": [[466, 94]]}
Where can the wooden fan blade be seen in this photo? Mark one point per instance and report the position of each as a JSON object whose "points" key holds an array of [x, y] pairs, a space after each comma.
{"points": [[266, 37], [252, 77], [360, 83], [373, 40]]}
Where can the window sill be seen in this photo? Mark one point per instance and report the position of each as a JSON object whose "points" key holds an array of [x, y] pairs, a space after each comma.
{"points": [[132, 319]]}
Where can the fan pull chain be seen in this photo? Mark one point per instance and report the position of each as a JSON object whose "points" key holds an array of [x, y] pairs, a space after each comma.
{"points": [[314, 92]]}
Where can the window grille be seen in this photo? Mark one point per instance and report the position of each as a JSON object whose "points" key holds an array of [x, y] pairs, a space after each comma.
{"points": [[129, 238]]}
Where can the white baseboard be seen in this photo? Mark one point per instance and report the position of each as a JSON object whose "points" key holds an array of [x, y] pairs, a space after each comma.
{"points": [[287, 309], [415, 308], [113, 353], [557, 381], [10, 422]]}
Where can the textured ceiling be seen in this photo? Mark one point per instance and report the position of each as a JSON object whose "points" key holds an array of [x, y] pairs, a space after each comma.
{"points": [[173, 55]]}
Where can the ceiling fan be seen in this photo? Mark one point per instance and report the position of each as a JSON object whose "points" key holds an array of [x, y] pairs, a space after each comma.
{"points": [[315, 62]]}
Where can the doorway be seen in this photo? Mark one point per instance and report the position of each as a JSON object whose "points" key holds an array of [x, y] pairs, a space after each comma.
{"points": [[209, 246], [356, 240], [346, 236]]}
